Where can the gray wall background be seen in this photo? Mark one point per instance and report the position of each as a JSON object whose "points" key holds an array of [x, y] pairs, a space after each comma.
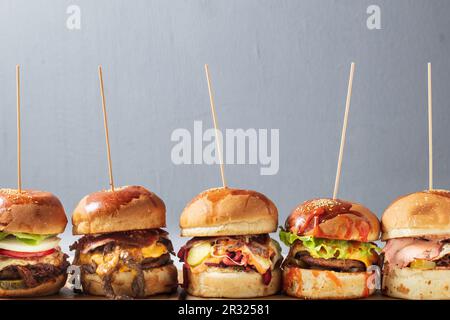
{"points": [[274, 64]]}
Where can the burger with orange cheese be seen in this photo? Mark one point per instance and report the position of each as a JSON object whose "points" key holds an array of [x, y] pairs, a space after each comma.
{"points": [[331, 250], [124, 252], [231, 254]]}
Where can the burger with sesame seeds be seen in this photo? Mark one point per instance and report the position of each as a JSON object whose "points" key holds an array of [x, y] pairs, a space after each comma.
{"points": [[331, 250], [31, 261]]}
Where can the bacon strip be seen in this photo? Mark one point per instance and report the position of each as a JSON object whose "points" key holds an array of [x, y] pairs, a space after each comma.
{"points": [[132, 238]]}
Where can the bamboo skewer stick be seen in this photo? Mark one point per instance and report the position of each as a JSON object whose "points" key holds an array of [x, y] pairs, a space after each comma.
{"points": [[344, 130], [213, 112], [430, 131], [19, 146], [105, 124]]}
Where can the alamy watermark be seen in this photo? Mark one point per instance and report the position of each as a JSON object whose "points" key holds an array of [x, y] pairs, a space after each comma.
{"points": [[374, 277], [239, 146], [373, 21], [74, 277], [73, 21]]}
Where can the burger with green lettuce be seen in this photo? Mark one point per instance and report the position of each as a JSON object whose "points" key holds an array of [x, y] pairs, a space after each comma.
{"points": [[31, 261], [331, 250]]}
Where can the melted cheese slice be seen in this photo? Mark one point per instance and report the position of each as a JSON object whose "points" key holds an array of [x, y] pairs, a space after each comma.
{"points": [[261, 264], [351, 254], [200, 257], [155, 250], [107, 263]]}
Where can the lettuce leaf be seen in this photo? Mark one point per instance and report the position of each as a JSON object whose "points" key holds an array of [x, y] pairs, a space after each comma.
{"points": [[329, 248], [27, 238]]}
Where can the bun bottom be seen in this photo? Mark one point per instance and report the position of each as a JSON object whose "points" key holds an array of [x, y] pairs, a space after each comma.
{"points": [[47, 288], [224, 283], [407, 283], [157, 280], [324, 284]]}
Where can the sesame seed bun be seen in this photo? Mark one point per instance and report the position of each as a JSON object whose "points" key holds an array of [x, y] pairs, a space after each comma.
{"points": [[227, 212], [420, 214], [334, 219], [126, 208], [31, 211], [325, 284]]}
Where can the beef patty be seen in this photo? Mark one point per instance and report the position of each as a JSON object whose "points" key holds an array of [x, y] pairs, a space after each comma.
{"points": [[304, 260], [33, 275]]}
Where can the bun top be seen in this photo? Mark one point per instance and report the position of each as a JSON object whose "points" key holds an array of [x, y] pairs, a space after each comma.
{"points": [[228, 212], [420, 214], [31, 211], [124, 209], [334, 219]]}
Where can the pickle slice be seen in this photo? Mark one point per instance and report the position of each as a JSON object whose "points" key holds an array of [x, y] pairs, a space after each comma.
{"points": [[12, 284], [422, 264], [198, 253]]}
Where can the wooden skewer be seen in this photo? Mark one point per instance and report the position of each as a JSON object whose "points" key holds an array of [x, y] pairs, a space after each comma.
{"points": [[213, 111], [105, 123], [19, 162], [344, 130], [430, 131]]}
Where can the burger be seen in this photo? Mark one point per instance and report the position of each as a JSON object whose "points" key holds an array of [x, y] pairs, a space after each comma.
{"points": [[331, 250], [123, 253], [416, 228], [31, 261], [231, 254]]}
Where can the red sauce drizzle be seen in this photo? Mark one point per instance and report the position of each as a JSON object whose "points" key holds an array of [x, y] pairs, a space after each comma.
{"points": [[309, 215]]}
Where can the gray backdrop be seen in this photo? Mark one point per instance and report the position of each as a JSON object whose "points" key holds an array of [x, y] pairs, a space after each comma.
{"points": [[274, 64]]}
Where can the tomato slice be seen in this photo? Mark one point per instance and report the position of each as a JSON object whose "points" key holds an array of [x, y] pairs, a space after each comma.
{"points": [[18, 254]]}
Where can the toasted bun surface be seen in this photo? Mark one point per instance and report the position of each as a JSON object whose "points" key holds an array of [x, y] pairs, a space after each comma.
{"points": [[334, 219], [407, 283], [227, 212], [126, 208], [31, 211], [324, 284], [228, 283], [157, 280], [47, 288], [425, 213]]}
